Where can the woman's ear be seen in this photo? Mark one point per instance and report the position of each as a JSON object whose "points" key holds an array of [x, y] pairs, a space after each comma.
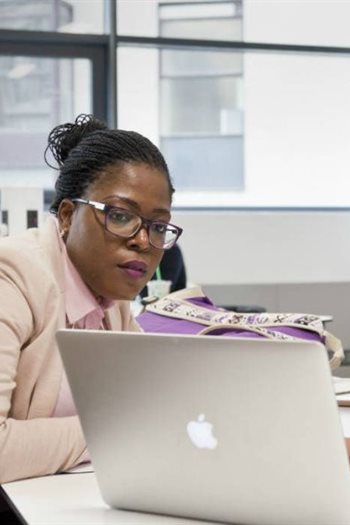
{"points": [[64, 216]]}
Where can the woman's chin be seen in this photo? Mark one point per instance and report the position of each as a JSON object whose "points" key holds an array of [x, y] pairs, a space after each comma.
{"points": [[124, 295]]}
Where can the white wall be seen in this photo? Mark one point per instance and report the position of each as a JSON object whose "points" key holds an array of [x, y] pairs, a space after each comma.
{"points": [[257, 247]]}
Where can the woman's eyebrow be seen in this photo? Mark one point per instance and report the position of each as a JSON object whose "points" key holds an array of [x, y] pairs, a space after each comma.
{"points": [[133, 203]]}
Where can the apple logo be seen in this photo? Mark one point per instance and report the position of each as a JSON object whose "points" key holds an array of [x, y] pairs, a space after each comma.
{"points": [[201, 433]]}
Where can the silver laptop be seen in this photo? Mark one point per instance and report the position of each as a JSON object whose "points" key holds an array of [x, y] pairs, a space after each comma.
{"points": [[236, 430]]}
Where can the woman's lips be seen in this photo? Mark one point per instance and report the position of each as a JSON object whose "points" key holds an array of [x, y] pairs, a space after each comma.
{"points": [[135, 274], [134, 269]]}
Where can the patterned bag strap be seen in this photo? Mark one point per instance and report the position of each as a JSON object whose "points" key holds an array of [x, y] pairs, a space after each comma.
{"points": [[177, 308], [174, 306], [268, 334], [335, 345], [332, 343]]}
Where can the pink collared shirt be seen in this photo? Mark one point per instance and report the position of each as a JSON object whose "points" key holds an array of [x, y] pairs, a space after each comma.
{"points": [[83, 310]]}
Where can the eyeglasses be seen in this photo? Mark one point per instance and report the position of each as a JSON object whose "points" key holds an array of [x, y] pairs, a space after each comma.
{"points": [[124, 223]]}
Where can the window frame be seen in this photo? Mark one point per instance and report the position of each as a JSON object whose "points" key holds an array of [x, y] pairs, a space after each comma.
{"points": [[40, 44]]}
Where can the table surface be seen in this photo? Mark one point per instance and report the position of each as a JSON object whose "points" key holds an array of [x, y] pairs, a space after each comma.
{"points": [[74, 499]]}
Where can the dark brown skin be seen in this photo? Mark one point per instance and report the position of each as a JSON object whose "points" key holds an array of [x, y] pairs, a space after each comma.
{"points": [[98, 255]]}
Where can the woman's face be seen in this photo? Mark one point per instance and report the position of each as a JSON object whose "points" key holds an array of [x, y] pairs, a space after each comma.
{"points": [[115, 267]]}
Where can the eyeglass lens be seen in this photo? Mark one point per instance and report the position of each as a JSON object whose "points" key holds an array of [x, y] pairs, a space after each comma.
{"points": [[125, 224]]}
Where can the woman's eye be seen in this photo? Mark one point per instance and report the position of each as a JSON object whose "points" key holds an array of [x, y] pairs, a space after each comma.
{"points": [[119, 217], [159, 227]]}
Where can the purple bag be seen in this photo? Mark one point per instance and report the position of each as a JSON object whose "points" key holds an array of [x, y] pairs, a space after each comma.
{"points": [[186, 311]]}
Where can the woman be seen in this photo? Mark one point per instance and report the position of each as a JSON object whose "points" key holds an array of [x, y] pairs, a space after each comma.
{"points": [[103, 243]]}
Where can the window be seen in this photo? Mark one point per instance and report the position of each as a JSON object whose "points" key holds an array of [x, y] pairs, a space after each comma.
{"points": [[196, 95], [32, 218], [72, 16], [241, 123], [37, 94], [195, 19], [5, 217], [201, 131], [196, 117]]}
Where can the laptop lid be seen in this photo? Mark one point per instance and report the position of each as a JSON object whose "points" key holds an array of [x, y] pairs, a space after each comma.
{"points": [[236, 430]]}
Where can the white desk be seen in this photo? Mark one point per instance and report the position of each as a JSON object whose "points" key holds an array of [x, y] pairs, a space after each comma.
{"points": [[67, 499]]}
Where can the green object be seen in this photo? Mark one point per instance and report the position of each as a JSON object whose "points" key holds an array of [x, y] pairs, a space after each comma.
{"points": [[158, 274]]}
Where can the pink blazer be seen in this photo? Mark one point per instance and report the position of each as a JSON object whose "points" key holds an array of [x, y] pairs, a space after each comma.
{"points": [[31, 310]]}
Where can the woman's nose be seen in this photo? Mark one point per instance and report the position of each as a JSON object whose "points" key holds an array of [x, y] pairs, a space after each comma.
{"points": [[140, 239]]}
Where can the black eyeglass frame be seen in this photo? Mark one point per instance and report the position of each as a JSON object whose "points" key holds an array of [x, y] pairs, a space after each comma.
{"points": [[145, 223]]}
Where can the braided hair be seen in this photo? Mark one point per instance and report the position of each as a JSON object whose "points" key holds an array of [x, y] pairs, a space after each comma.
{"points": [[86, 147]]}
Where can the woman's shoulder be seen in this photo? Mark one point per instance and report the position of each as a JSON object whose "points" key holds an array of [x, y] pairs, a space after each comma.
{"points": [[30, 255], [24, 247]]}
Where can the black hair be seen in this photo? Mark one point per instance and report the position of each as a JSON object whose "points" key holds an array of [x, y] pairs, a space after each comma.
{"points": [[86, 147]]}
